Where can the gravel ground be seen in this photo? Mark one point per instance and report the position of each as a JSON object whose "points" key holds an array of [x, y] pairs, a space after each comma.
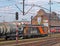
{"points": [[33, 39], [58, 44]]}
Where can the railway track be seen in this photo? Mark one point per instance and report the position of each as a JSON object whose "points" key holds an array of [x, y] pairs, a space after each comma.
{"points": [[42, 41], [34, 42], [50, 35]]}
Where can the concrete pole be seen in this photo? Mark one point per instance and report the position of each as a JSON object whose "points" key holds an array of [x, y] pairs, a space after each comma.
{"points": [[23, 6], [50, 17]]}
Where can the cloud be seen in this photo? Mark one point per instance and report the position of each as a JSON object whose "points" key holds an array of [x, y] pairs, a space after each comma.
{"points": [[8, 9], [57, 0]]}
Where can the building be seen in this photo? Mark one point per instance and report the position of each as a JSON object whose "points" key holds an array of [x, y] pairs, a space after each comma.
{"points": [[40, 18], [49, 20]]}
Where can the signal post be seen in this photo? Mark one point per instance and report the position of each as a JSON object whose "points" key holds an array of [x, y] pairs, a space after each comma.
{"points": [[16, 28]]}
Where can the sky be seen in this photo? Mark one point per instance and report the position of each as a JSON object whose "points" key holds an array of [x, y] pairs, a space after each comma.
{"points": [[8, 9]]}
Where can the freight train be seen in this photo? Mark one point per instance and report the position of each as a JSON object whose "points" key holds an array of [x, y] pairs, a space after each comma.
{"points": [[55, 29], [8, 31]]}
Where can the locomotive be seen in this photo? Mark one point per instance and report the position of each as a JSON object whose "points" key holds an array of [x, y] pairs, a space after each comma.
{"points": [[34, 31]]}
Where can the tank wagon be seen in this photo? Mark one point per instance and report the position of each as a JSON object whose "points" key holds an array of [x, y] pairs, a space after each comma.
{"points": [[7, 30]]}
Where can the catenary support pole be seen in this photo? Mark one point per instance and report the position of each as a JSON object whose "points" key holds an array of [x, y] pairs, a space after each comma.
{"points": [[23, 6]]}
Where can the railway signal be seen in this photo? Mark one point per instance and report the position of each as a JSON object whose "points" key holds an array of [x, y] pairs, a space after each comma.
{"points": [[16, 15]]}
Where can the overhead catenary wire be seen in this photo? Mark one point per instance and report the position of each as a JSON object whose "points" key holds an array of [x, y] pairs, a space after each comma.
{"points": [[18, 8], [35, 5], [28, 5], [56, 2], [29, 10], [7, 13]]}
